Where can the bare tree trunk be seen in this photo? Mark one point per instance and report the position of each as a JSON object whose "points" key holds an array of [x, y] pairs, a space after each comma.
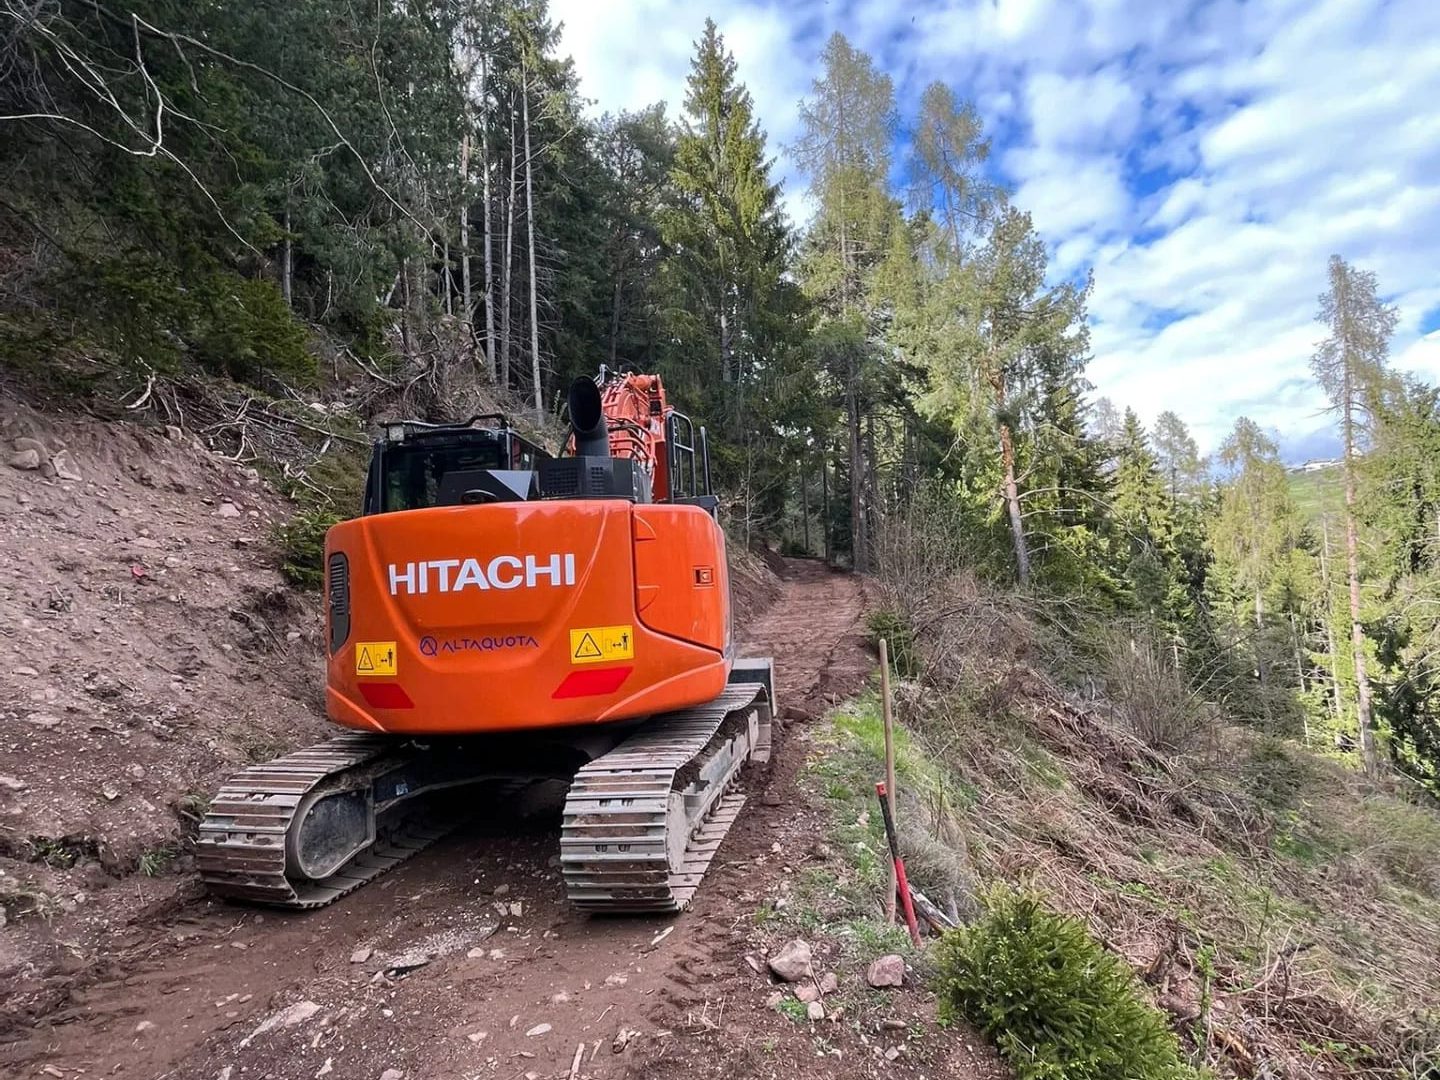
{"points": [[1352, 567], [615, 318], [1357, 632], [858, 547], [805, 505], [287, 269], [1300, 675], [447, 278], [530, 228], [872, 496], [1330, 624], [507, 271], [405, 340], [467, 310], [725, 337], [489, 267], [1012, 505], [825, 505], [1260, 671]]}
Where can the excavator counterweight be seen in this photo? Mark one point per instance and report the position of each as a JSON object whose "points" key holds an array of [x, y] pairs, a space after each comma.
{"points": [[498, 615]]}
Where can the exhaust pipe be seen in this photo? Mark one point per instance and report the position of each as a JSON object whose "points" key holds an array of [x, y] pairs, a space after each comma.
{"points": [[587, 419]]}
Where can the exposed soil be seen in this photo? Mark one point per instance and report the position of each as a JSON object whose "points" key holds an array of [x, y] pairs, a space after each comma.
{"points": [[142, 976], [151, 647]]}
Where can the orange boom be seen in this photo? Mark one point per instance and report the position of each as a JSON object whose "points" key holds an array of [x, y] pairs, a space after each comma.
{"points": [[532, 617]]}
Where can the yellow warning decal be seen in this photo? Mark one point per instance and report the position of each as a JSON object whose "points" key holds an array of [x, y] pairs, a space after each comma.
{"points": [[375, 658], [593, 644]]}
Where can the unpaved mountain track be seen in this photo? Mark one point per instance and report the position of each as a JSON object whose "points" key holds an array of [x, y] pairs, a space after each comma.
{"points": [[183, 993]]}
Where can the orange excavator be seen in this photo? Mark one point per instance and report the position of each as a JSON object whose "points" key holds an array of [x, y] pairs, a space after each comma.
{"points": [[500, 615]]}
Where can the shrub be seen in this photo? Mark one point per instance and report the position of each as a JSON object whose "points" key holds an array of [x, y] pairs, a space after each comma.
{"points": [[1148, 690], [243, 329], [899, 636], [1057, 1004], [302, 547]]}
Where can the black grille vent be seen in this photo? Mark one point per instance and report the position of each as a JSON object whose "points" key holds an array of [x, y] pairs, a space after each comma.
{"points": [[591, 478], [562, 480], [337, 593]]}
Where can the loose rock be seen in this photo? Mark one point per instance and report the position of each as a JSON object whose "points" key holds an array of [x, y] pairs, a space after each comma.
{"points": [[144, 1026], [815, 1011], [407, 963], [392, 1074], [64, 467], [807, 992], [360, 955], [12, 783], [228, 509], [792, 962], [539, 1029], [295, 1014], [622, 1040], [829, 983], [23, 459], [889, 970]]}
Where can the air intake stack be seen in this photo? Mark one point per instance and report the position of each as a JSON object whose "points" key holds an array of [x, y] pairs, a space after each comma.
{"points": [[593, 472], [587, 419]]}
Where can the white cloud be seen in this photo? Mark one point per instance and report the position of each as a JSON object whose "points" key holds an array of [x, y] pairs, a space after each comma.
{"points": [[1204, 157], [1082, 110], [631, 55]]}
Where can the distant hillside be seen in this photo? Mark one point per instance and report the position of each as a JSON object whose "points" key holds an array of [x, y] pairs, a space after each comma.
{"points": [[1318, 492]]}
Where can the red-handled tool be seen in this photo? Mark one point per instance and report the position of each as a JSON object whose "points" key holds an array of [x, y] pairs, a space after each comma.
{"points": [[902, 886]]}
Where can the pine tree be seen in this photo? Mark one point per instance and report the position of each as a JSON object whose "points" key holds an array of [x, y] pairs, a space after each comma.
{"points": [[1178, 457], [1401, 508], [1141, 513], [1015, 334], [729, 212], [845, 149], [1349, 365]]}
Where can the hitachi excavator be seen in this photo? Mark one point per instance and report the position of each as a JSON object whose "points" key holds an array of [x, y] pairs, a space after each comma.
{"points": [[498, 615]]}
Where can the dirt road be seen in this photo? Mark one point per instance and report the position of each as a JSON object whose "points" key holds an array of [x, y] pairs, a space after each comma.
{"points": [[466, 962]]}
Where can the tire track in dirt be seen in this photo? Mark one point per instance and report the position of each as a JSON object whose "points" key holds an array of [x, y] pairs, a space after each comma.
{"points": [[184, 996]]}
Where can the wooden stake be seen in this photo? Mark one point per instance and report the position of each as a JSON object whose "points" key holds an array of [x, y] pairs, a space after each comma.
{"points": [[889, 763]]}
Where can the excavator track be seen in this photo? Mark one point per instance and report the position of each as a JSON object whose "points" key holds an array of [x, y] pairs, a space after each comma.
{"points": [[241, 852], [642, 823]]}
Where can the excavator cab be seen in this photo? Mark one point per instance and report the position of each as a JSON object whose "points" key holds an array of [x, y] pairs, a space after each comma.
{"points": [[414, 465]]}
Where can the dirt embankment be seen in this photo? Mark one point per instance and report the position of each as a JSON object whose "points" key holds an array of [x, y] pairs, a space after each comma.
{"points": [[151, 647]]}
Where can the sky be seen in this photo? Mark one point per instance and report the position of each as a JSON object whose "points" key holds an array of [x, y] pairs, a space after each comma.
{"points": [[1202, 159]]}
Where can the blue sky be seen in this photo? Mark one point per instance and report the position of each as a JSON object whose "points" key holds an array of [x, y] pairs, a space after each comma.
{"points": [[1203, 159]]}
